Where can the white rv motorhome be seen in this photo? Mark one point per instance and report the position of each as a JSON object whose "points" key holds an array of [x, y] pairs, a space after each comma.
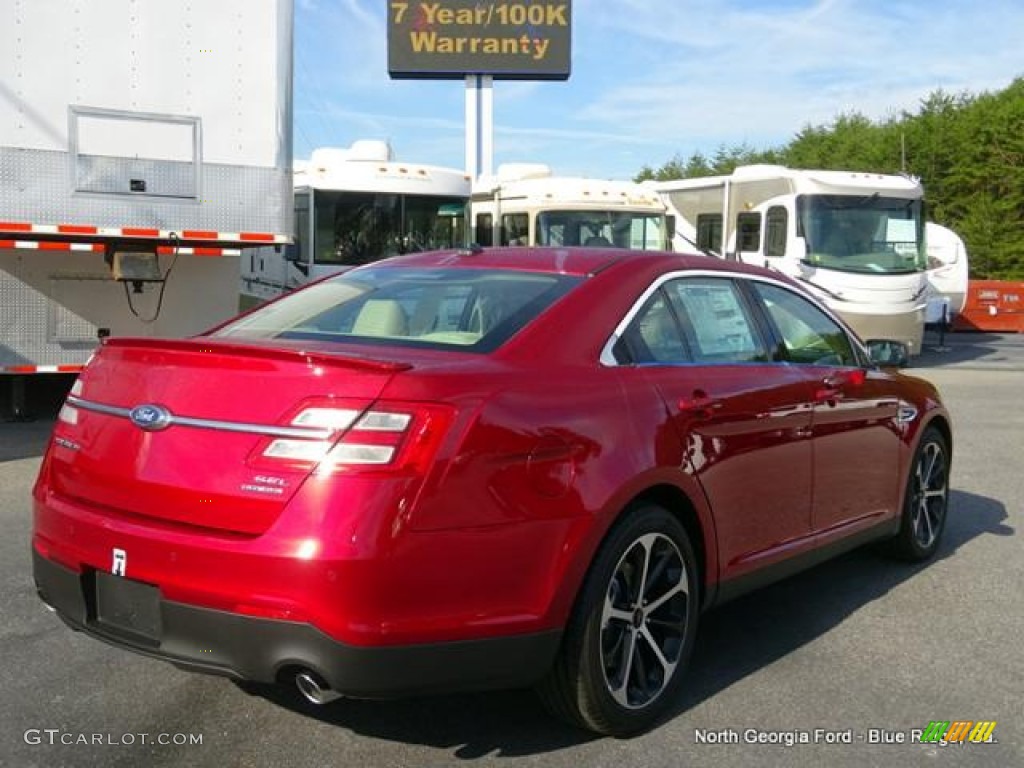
{"points": [[857, 240], [948, 273], [523, 204], [143, 147], [354, 206]]}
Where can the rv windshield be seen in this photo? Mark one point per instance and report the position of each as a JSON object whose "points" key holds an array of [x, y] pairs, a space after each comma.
{"points": [[862, 233], [635, 230], [360, 227]]}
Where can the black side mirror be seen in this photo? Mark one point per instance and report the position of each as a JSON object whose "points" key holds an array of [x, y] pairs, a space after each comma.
{"points": [[888, 353]]}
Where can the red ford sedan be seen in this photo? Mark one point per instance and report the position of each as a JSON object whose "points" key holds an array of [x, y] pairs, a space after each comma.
{"points": [[479, 469]]}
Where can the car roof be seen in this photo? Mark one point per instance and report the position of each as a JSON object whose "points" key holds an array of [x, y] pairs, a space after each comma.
{"points": [[578, 261]]}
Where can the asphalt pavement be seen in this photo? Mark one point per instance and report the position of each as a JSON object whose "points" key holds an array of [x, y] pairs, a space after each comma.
{"points": [[857, 651]]}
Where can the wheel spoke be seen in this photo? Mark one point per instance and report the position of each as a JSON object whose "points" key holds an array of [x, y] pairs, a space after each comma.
{"points": [[672, 592], [645, 545], [667, 558], [933, 457], [611, 613], [620, 688], [925, 518], [666, 665]]}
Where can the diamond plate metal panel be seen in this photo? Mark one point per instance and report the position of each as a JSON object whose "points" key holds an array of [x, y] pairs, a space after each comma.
{"points": [[37, 186]]}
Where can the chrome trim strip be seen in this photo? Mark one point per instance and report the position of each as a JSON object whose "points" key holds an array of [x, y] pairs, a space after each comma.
{"points": [[270, 430]]}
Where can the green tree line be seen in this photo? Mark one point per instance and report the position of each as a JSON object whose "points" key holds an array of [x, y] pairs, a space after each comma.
{"points": [[967, 149]]}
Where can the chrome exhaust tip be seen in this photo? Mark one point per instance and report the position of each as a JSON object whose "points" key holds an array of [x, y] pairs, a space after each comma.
{"points": [[313, 690]]}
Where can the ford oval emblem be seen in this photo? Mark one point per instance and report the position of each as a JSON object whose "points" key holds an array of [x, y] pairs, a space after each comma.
{"points": [[150, 417]]}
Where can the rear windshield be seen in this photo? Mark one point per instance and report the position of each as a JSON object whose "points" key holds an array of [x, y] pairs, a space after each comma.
{"points": [[475, 310]]}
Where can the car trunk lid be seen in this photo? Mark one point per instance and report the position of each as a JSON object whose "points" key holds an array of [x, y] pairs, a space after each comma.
{"points": [[178, 431]]}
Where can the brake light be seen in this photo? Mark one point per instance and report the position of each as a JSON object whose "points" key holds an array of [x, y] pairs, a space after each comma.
{"points": [[393, 435], [343, 435]]}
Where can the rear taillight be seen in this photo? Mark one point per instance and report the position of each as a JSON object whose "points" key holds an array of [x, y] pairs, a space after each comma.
{"points": [[390, 436], [338, 436]]}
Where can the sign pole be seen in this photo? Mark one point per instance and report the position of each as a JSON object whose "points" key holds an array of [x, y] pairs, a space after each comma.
{"points": [[479, 126]]}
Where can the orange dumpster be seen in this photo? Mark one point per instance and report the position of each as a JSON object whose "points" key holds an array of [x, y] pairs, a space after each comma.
{"points": [[992, 305]]}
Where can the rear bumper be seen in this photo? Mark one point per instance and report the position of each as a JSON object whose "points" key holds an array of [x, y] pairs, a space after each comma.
{"points": [[262, 650]]}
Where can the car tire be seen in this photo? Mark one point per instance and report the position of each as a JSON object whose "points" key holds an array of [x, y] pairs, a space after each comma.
{"points": [[926, 501], [632, 630]]}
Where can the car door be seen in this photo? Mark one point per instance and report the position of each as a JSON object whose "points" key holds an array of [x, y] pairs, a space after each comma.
{"points": [[743, 422], [856, 440]]}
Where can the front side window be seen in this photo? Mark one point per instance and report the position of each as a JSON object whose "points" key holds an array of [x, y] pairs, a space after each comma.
{"points": [[809, 335], [471, 309]]}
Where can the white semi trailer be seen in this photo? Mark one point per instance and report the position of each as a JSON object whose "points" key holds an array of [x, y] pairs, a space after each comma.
{"points": [[143, 147]]}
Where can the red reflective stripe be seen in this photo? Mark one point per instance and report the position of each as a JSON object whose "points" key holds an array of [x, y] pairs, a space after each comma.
{"points": [[140, 232], [15, 226], [8, 243], [43, 369], [261, 237], [76, 229], [200, 234]]}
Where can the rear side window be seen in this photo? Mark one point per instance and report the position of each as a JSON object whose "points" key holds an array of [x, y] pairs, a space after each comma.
{"points": [[471, 309], [809, 335], [716, 320], [654, 336]]}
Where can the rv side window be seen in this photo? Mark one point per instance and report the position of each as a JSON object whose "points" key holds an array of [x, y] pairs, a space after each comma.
{"points": [[776, 223], [515, 229], [484, 233], [709, 232], [748, 232]]}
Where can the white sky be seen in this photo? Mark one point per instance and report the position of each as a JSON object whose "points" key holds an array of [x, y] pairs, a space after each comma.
{"points": [[655, 78]]}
